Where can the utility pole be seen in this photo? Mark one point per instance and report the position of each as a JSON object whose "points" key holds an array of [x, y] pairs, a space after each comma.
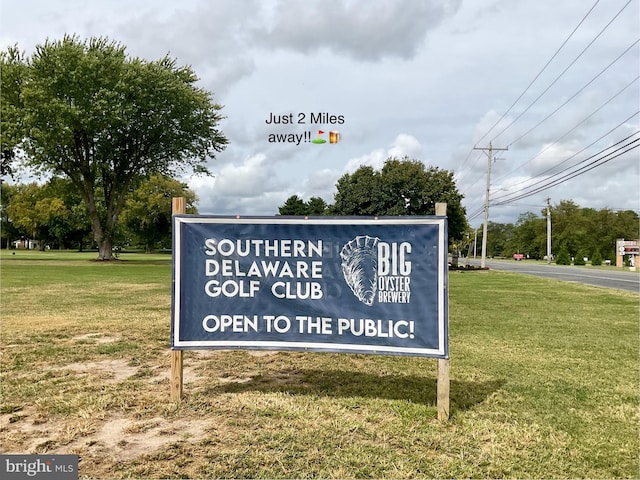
{"points": [[489, 155], [548, 230], [475, 242]]}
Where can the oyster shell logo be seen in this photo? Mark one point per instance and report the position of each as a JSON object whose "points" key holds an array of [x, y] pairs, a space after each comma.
{"points": [[376, 270], [360, 267]]}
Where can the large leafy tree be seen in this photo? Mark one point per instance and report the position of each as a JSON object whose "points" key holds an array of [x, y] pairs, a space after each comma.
{"points": [[88, 111], [401, 187]]}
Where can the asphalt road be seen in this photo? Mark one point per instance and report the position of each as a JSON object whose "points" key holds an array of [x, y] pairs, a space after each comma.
{"points": [[623, 279]]}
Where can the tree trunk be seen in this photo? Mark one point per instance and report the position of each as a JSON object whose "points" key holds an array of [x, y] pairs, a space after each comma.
{"points": [[105, 249]]}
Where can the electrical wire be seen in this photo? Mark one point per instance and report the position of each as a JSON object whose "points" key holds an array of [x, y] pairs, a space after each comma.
{"points": [[465, 174], [577, 153], [582, 170], [563, 72], [571, 130], [566, 178], [476, 213], [539, 73], [575, 94]]}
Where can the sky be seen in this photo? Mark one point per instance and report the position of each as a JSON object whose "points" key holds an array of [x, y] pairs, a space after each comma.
{"points": [[554, 82]]}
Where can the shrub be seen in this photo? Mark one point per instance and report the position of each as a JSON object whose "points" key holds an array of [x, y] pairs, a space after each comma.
{"points": [[596, 259], [563, 257], [579, 259]]}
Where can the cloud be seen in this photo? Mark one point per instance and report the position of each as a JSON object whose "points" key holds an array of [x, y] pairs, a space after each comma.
{"points": [[552, 155], [321, 183], [363, 30], [373, 159], [249, 179], [489, 126], [213, 37], [249, 187], [403, 145], [221, 39]]}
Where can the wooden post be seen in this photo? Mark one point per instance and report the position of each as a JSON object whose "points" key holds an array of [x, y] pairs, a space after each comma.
{"points": [[178, 206], [444, 383]]}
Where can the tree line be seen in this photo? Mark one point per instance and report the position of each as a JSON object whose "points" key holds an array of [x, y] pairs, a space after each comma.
{"points": [[401, 187], [55, 216], [576, 231]]}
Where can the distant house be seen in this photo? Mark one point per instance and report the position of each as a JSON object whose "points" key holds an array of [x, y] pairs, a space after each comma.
{"points": [[26, 244]]}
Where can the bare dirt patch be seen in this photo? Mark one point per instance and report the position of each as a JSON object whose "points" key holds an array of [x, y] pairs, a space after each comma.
{"points": [[98, 338], [117, 369], [122, 438]]}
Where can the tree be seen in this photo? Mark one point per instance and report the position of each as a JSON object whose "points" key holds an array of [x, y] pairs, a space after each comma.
{"points": [[12, 75], [563, 257], [529, 236], [8, 230], [147, 212], [295, 205], [88, 111], [31, 210], [498, 237], [579, 259], [316, 206], [51, 213], [401, 187]]}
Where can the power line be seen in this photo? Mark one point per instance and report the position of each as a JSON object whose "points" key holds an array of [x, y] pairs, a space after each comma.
{"points": [[572, 129], [572, 166], [577, 93], [584, 169], [463, 175], [564, 71], [576, 154], [464, 163], [554, 180], [476, 213], [540, 72], [570, 177]]}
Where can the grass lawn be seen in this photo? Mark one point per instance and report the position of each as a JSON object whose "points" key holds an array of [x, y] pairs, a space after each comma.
{"points": [[544, 384]]}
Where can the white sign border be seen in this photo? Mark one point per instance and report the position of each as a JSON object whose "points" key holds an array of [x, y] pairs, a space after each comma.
{"points": [[440, 352]]}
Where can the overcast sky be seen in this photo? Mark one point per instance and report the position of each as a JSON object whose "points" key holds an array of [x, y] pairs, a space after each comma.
{"points": [[422, 78]]}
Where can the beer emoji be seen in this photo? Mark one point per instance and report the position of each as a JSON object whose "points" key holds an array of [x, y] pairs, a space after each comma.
{"points": [[334, 136]]}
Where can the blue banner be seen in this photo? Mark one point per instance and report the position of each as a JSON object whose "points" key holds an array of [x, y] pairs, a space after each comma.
{"points": [[360, 285]]}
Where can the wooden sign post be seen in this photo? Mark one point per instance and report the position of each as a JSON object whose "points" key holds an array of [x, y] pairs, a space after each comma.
{"points": [[443, 385], [178, 206]]}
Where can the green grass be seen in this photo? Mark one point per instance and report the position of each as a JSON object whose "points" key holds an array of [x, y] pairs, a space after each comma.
{"points": [[544, 384]]}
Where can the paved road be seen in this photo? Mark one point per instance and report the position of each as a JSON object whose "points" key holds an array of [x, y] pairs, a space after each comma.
{"points": [[622, 280]]}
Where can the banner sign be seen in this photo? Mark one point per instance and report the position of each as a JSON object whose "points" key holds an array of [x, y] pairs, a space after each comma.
{"points": [[360, 285]]}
